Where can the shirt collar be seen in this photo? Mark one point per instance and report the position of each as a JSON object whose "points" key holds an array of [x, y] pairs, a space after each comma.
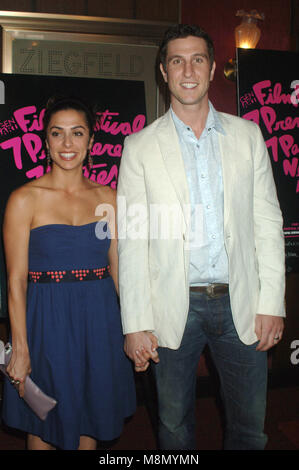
{"points": [[213, 121]]}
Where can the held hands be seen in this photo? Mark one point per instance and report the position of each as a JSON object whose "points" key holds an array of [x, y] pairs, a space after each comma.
{"points": [[18, 369], [268, 329], [140, 347]]}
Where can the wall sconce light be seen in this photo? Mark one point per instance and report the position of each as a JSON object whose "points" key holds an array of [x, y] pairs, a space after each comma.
{"points": [[247, 35]]}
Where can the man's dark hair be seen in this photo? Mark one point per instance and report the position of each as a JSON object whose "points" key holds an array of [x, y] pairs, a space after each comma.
{"points": [[182, 31]]}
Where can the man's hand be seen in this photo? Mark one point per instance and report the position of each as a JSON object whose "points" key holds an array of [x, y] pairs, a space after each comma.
{"points": [[268, 329], [140, 347]]}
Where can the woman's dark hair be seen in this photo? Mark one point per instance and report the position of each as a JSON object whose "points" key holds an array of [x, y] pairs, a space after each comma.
{"points": [[182, 31], [62, 103]]}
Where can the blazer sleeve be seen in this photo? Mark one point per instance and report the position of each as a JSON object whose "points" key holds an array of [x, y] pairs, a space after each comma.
{"points": [[268, 233], [134, 279]]}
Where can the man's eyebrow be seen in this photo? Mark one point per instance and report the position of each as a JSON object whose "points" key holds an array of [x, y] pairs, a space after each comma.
{"points": [[196, 54], [175, 56], [201, 54]]}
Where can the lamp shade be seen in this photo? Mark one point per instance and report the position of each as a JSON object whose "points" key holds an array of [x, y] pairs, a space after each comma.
{"points": [[247, 34]]}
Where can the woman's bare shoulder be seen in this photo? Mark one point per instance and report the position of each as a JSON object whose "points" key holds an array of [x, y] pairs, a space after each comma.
{"points": [[105, 193], [44, 182], [20, 207], [25, 197], [21, 195]]}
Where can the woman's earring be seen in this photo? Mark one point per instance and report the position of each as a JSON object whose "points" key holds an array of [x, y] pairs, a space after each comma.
{"points": [[49, 159], [89, 160]]}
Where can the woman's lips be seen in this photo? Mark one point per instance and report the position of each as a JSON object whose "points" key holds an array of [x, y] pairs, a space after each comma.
{"points": [[67, 156]]}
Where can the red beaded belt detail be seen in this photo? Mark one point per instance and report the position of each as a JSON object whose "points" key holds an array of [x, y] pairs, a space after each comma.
{"points": [[73, 275]]}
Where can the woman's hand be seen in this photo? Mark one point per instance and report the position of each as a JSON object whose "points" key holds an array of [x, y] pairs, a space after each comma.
{"points": [[140, 347], [18, 368]]}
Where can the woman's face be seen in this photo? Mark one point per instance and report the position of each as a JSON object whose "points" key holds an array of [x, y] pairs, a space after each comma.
{"points": [[68, 138]]}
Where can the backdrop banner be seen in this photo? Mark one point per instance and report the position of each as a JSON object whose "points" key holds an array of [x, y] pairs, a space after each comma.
{"points": [[122, 111], [268, 94]]}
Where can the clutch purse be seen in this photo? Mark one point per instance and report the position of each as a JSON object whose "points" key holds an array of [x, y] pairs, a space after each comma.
{"points": [[38, 401]]}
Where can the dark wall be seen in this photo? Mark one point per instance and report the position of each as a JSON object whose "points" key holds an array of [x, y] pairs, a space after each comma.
{"points": [[219, 20], [153, 10]]}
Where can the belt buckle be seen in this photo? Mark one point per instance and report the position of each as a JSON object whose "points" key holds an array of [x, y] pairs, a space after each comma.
{"points": [[210, 290]]}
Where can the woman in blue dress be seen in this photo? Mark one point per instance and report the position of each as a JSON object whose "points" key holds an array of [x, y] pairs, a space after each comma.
{"points": [[61, 257]]}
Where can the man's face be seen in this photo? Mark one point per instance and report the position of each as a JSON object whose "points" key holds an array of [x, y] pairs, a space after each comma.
{"points": [[188, 71]]}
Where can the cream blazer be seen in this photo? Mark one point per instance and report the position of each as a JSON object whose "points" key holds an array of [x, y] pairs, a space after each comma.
{"points": [[154, 271]]}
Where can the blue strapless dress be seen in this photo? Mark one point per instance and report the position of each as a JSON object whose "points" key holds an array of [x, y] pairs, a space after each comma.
{"points": [[75, 342]]}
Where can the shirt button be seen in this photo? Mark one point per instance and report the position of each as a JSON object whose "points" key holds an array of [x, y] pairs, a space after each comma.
{"points": [[213, 236], [208, 206]]}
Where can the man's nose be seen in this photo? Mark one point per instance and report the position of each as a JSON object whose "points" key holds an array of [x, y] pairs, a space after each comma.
{"points": [[188, 69]]}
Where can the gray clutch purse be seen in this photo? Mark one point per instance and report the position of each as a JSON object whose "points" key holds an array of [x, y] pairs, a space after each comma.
{"points": [[38, 401]]}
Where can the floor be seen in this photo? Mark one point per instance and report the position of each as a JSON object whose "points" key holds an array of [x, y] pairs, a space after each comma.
{"points": [[282, 425]]}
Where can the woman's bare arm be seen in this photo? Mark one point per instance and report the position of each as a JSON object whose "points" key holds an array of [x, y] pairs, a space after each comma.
{"points": [[16, 231], [113, 254]]}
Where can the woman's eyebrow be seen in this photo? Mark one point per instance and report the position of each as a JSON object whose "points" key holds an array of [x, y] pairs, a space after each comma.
{"points": [[75, 127]]}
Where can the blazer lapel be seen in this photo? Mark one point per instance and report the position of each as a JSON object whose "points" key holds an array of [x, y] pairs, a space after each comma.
{"points": [[171, 154], [228, 153]]}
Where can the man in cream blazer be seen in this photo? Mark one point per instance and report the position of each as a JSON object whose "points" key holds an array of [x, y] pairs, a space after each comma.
{"points": [[171, 302]]}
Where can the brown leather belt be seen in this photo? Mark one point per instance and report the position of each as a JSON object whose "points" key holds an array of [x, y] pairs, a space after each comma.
{"points": [[212, 290]]}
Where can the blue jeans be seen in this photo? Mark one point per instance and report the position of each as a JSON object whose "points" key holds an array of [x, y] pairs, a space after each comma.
{"points": [[242, 371]]}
